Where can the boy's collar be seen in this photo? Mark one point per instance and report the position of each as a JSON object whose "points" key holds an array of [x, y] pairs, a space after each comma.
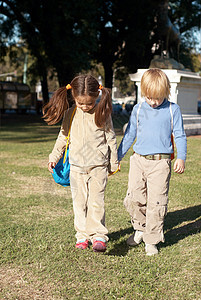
{"points": [[162, 104]]}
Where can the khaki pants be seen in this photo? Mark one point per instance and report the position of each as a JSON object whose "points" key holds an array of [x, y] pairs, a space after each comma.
{"points": [[147, 196], [88, 187]]}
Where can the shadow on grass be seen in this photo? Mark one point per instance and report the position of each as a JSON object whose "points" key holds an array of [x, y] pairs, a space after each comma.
{"points": [[121, 248], [172, 235], [26, 129], [35, 124]]}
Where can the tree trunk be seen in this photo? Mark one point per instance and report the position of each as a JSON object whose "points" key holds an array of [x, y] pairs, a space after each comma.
{"points": [[65, 74], [108, 74], [45, 88]]}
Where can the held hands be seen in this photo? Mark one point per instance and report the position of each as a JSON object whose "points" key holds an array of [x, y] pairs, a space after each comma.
{"points": [[51, 166], [179, 166], [117, 170]]}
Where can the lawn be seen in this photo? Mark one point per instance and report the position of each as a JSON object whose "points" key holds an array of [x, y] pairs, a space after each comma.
{"points": [[38, 259]]}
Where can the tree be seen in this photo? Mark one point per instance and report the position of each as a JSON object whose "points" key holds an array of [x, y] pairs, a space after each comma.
{"points": [[131, 32], [58, 34], [67, 36], [187, 16], [174, 21], [124, 35], [14, 61], [16, 16]]}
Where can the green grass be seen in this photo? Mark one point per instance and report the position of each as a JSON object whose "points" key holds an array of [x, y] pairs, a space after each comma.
{"points": [[37, 255]]}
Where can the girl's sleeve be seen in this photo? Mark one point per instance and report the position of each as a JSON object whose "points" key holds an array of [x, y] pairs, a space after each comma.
{"points": [[129, 135], [112, 144], [60, 143]]}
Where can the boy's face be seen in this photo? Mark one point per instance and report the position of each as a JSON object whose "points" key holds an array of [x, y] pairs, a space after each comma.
{"points": [[154, 102]]}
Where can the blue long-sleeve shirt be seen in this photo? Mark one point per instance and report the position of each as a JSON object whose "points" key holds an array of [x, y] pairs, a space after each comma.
{"points": [[154, 130]]}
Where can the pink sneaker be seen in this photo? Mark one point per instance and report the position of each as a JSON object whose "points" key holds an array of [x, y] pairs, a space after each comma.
{"points": [[82, 244], [99, 246]]}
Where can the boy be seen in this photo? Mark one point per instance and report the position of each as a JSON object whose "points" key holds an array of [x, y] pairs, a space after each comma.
{"points": [[152, 123]]}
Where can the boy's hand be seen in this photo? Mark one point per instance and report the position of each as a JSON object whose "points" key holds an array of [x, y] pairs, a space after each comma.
{"points": [[51, 166], [179, 166]]}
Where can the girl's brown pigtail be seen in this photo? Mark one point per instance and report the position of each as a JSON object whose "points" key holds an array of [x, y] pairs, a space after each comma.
{"points": [[104, 108], [53, 111]]}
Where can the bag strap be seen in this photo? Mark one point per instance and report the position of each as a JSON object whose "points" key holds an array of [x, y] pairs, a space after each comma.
{"points": [[172, 136], [68, 136], [171, 116], [138, 111]]}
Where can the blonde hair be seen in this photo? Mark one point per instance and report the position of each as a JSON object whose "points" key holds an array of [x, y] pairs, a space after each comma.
{"points": [[155, 84]]}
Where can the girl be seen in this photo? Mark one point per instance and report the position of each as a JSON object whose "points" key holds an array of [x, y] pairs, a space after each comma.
{"points": [[92, 153]]}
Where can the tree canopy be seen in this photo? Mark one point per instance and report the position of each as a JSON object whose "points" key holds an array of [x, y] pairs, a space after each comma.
{"points": [[67, 36], [60, 34]]}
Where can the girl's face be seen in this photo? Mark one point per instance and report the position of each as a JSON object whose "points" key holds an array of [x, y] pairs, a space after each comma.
{"points": [[154, 102], [85, 103]]}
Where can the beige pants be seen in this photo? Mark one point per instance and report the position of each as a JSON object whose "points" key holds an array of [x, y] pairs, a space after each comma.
{"points": [[88, 187], [147, 196]]}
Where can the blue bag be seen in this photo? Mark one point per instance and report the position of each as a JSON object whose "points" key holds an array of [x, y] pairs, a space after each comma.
{"points": [[61, 172]]}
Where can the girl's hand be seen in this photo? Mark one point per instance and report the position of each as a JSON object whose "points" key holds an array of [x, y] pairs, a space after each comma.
{"points": [[179, 166], [51, 166]]}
